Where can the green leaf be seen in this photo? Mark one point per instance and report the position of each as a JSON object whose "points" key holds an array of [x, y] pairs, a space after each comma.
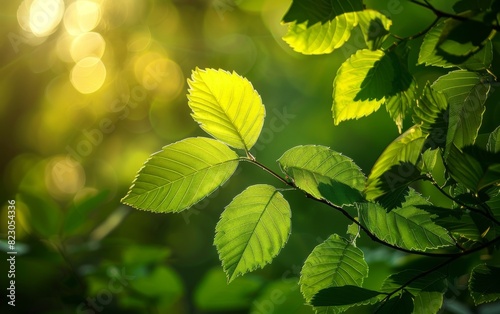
{"points": [[252, 230], [162, 285], [493, 144], [428, 160], [396, 165], [316, 11], [42, 214], [480, 60], [213, 293], [452, 43], [466, 94], [428, 302], [483, 284], [324, 173], [431, 283], [475, 168], [181, 174], [226, 106], [78, 214], [361, 84], [320, 38], [344, 295], [408, 226], [403, 93], [401, 303], [431, 113], [375, 27], [333, 263]]}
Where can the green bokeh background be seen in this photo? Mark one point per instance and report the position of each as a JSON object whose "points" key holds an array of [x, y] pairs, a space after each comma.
{"points": [[67, 158]]}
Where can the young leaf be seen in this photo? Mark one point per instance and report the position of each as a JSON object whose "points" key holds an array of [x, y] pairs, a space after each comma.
{"points": [[252, 230], [396, 166], [466, 95], [181, 174], [333, 263], [483, 284], [375, 27], [320, 38], [407, 227], [344, 295], [493, 144], [226, 106], [361, 84], [324, 173]]}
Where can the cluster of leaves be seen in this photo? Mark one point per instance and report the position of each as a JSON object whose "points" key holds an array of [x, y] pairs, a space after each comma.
{"points": [[446, 114]]}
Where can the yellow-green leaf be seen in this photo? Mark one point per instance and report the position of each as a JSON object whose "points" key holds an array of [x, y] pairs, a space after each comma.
{"points": [[226, 106]]}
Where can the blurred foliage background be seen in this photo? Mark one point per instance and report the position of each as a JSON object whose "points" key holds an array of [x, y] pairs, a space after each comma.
{"points": [[90, 88]]}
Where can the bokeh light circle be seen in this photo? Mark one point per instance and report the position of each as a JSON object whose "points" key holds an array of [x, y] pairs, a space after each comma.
{"points": [[88, 75]]}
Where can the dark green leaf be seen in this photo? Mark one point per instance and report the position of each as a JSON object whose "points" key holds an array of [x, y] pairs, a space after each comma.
{"points": [[344, 295], [430, 283], [493, 144], [475, 168], [181, 174], [252, 230], [401, 303], [483, 284], [324, 173], [314, 11], [78, 213]]}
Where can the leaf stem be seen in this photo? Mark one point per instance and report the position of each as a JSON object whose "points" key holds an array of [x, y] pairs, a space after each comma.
{"points": [[352, 219], [435, 268], [472, 209], [440, 14]]}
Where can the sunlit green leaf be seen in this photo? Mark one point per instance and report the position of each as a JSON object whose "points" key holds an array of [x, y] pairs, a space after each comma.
{"points": [[408, 226], [344, 295], [400, 303], [214, 294], [466, 95], [493, 144], [226, 106], [320, 38], [252, 230], [428, 160], [181, 174], [375, 27], [324, 173], [334, 263], [483, 284], [396, 165], [361, 84], [426, 302]]}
